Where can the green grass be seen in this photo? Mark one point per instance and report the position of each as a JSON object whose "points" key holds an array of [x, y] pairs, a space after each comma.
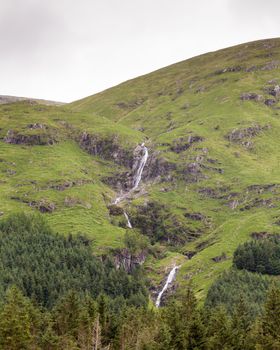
{"points": [[183, 99]]}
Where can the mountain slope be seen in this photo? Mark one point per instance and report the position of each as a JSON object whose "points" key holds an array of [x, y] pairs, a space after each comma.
{"points": [[211, 125]]}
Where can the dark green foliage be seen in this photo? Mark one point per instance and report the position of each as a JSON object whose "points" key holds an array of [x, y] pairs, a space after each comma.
{"points": [[234, 285], [261, 256], [135, 242], [160, 225], [271, 319], [77, 322], [45, 265]]}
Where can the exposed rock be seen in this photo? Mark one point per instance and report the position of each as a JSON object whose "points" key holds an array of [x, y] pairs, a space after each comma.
{"points": [[158, 168], [269, 102], [246, 96], [271, 65], [183, 144], [263, 188], [233, 204], [1, 213], [237, 135], [195, 216], [212, 161], [131, 104], [273, 81], [119, 181], [243, 136], [190, 254], [200, 89], [123, 258], [258, 203], [106, 148], [193, 168], [62, 186], [220, 258], [232, 69], [273, 90], [11, 172], [261, 235], [218, 170], [36, 126], [115, 210], [192, 172], [43, 205], [215, 193], [15, 137]]}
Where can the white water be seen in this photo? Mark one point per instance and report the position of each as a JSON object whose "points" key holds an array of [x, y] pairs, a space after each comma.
{"points": [[138, 175], [169, 280], [141, 167], [127, 219]]}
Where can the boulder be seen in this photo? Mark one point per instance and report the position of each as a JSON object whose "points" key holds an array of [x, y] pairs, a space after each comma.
{"points": [[247, 96]]}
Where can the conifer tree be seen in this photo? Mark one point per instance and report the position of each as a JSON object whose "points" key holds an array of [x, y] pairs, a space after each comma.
{"points": [[16, 328]]}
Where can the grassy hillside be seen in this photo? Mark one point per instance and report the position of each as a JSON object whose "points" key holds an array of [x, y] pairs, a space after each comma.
{"points": [[212, 128]]}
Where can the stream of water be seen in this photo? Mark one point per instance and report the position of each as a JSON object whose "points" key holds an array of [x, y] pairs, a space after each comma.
{"points": [[141, 167], [127, 219], [169, 280], [137, 180]]}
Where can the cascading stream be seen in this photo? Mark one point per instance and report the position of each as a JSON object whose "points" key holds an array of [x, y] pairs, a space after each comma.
{"points": [[138, 177], [169, 280], [141, 167], [127, 219]]}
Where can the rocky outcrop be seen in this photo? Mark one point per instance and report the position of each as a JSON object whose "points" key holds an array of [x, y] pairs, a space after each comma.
{"points": [[243, 136], [261, 235], [259, 203], [19, 138], [192, 172], [232, 69], [43, 205], [273, 90], [62, 186], [115, 210], [247, 96], [220, 258], [107, 148], [158, 168], [123, 258], [182, 144], [270, 102], [263, 188], [195, 216], [133, 104]]}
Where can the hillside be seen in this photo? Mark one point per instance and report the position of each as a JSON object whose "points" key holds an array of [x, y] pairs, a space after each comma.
{"points": [[4, 99], [211, 126]]}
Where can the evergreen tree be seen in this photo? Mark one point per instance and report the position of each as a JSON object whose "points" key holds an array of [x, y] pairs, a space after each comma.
{"points": [[17, 326], [271, 320], [218, 329]]}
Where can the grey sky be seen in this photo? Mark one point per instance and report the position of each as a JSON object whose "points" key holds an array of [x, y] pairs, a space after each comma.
{"points": [[68, 49]]}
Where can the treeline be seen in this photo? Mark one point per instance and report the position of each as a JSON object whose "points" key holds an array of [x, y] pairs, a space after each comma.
{"points": [[261, 256], [233, 285], [54, 294], [83, 323], [44, 265]]}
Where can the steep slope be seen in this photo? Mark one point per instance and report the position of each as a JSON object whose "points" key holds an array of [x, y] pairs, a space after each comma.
{"points": [[211, 125]]}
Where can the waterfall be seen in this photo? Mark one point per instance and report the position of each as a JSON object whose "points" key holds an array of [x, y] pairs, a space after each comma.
{"points": [[141, 167], [169, 280], [138, 175], [127, 219]]}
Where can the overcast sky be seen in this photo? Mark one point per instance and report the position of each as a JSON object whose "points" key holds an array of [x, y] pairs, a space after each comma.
{"points": [[67, 49]]}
